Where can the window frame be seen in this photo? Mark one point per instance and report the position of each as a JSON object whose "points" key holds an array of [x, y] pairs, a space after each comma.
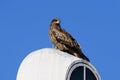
{"points": [[84, 64]]}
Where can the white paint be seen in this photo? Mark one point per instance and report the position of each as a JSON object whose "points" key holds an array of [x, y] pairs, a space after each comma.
{"points": [[47, 64]]}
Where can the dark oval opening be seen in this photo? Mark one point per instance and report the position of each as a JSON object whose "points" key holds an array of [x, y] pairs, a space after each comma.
{"points": [[79, 73]]}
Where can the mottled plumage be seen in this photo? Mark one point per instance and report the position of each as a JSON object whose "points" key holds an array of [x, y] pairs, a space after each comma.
{"points": [[64, 41]]}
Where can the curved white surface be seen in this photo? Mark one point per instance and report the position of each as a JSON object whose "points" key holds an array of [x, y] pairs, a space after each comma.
{"points": [[47, 64]]}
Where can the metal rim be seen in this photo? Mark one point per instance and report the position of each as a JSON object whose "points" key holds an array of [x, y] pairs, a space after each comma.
{"points": [[85, 64]]}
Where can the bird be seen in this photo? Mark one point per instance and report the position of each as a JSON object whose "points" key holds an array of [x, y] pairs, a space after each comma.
{"points": [[64, 40]]}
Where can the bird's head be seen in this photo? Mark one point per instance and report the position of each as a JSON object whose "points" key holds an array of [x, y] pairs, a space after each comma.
{"points": [[55, 21]]}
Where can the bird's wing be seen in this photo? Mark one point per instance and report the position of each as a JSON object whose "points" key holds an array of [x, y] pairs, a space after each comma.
{"points": [[65, 38]]}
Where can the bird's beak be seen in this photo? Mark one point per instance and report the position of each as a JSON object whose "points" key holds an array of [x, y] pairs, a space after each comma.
{"points": [[58, 22]]}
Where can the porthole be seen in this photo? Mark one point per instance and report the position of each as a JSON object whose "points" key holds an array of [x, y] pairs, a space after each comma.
{"points": [[82, 71]]}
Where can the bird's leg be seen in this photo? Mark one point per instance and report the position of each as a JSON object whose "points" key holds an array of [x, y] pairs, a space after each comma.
{"points": [[53, 46]]}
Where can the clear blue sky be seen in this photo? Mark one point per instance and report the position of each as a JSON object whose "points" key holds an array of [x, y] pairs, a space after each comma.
{"points": [[95, 24]]}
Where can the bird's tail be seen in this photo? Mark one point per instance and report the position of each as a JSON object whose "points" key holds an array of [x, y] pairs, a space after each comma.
{"points": [[84, 57], [81, 55]]}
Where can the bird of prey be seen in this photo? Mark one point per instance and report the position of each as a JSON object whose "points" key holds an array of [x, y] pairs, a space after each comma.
{"points": [[64, 41]]}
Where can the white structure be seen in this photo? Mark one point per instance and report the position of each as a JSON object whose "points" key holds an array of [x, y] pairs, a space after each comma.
{"points": [[52, 64]]}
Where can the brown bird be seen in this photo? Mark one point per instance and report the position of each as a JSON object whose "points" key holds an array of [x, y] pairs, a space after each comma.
{"points": [[64, 41]]}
